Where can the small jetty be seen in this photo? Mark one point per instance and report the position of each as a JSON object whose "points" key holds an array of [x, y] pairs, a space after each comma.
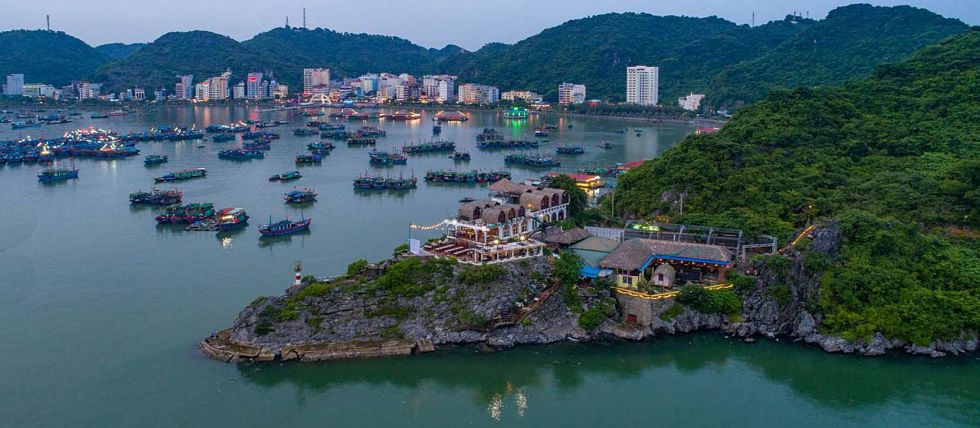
{"points": [[300, 196], [430, 147], [532, 161], [465, 177], [182, 175], [156, 197], [387, 159]]}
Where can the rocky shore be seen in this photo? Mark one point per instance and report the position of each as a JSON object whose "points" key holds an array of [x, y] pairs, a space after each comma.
{"points": [[408, 306]]}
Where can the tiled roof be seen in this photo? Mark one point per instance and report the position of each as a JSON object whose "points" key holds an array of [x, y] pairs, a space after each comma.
{"points": [[634, 254]]}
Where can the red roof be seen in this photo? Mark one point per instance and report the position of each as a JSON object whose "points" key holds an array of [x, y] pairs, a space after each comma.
{"points": [[632, 164]]}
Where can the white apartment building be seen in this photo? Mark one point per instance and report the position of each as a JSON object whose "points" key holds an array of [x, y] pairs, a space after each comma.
{"points": [[528, 96], [692, 102], [470, 93], [440, 88], [643, 85], [315, 78], [14, 86], [571, 93]]}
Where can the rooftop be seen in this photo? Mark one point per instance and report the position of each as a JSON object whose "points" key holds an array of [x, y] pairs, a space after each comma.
{"points": [[636, 254]]}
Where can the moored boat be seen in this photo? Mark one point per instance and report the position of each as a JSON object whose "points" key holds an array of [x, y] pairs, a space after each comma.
{"points": [[240, 154], [182, 175], [461, 156], [300, 196], [310, 159], [286, 176], [284, 227], [532, 161], [570, 150], [230, 219], [156, 197], [155, 159], [51, 175], [430, 147], [387, 159], [191, 213]]}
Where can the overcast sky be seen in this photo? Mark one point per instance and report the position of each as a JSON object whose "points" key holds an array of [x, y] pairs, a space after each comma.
{"points": [[430, 23]]}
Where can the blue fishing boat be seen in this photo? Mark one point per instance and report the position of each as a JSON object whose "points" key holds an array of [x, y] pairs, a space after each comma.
{"points": [[286, 176], [284, 227], [240, 154], [155, 159], [231, 219], [220, 138], [569, 150], [301, 196], [309, 159], [51, 175]]}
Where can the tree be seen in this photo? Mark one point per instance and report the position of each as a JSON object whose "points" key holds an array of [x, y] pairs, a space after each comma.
{"points": [[578, 200]]}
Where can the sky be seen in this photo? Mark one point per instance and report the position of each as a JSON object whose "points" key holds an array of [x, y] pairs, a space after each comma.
{"points": [[430, 23]]}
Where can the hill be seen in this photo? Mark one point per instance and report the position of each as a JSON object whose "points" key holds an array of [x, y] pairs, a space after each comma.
{"points": [[115, 51], [47, 56], [849, 43], [893, 158], [201, 53], [597, 50]]}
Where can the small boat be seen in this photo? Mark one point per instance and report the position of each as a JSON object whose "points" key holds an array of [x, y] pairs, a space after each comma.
{"points": [[182, 175], [321, 147], [300, 196], [387, 159], [308, 159], [220, 138], [51, 175], [461, 157], [532, 161], [191, 213], [570, 150], [430, 147], [241, 154], [286, 176], [155, 159], [466, 200], [305, 132], [156, 197], [231, 219], [437, 129], [258, 145], [353, 141], [284, 227], [540, 133], [605, 145], [24, 125], [99, 116]]}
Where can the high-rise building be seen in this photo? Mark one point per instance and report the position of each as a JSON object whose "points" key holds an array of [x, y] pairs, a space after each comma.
{"points": [[14, 86], [314, 79], [238, 91], [281, 92], [89, 91], [184, 89], [37, 90], [202, 91], [571, 93], [642, 85], [441, 88], [692, 102], [470, 93], [253, 86]]}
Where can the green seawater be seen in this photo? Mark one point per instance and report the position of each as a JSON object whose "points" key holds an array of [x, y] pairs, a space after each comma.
{"points": [[101, 310]]}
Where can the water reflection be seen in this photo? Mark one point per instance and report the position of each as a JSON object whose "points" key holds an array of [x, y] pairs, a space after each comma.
{"points": [[502, 382], [299, 237]]}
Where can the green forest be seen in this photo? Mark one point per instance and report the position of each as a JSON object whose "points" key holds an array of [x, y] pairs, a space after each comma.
{"points": [[894, 158]]}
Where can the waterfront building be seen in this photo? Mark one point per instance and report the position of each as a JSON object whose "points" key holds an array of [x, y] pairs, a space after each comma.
{"points": [[184, 89], [139, 94], [238, 91], [643, 85], [641, 259], [89, 91], [692, 102], [315, 80], [571, 93], [160, 94], [202, 91], [470, 93], [39, 90], [439, 88], [253, 86], [218, 86], [527, 96], [14, 86], [281, 92]]}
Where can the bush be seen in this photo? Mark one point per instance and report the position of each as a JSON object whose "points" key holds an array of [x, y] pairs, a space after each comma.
{"points": [[356, 267], [780, 292], [672, 312], [483, 274], [401, 248], [566, 268], [724, 302], [591, 319], [393, 332]]}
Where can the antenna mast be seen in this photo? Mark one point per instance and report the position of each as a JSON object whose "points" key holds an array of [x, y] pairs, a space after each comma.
{"points": [[304, 17], [287, 21], [48, 19]]}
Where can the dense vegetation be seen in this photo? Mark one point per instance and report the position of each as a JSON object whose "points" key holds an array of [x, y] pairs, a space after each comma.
{"points": [[116, 51], [849, 43], [47, 56], [894, 158]]}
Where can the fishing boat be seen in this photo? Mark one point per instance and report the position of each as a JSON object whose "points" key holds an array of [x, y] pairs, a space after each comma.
{"points": [[305, 132], [300, 196], [45, 155], [284, 227], [231, 219], [540, 132], [367, 182], [490, 134], [260, 135], [325, 147], [509, 144], [308, 159], [532, 161], [286, 176], [240, 154], [605, 145], [25, 125], [463, 177], [436, 129], [370, 131], [220, 138], [461, 156], [430, 147], [451, 116], [325, 126], [155, 159], [570, 150], [355, 141], [51, 175], [258, 145], [183, 214], [402, 115], [156, 197], [387, 159], [99, 116], [182, 175], [336, 134]]}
